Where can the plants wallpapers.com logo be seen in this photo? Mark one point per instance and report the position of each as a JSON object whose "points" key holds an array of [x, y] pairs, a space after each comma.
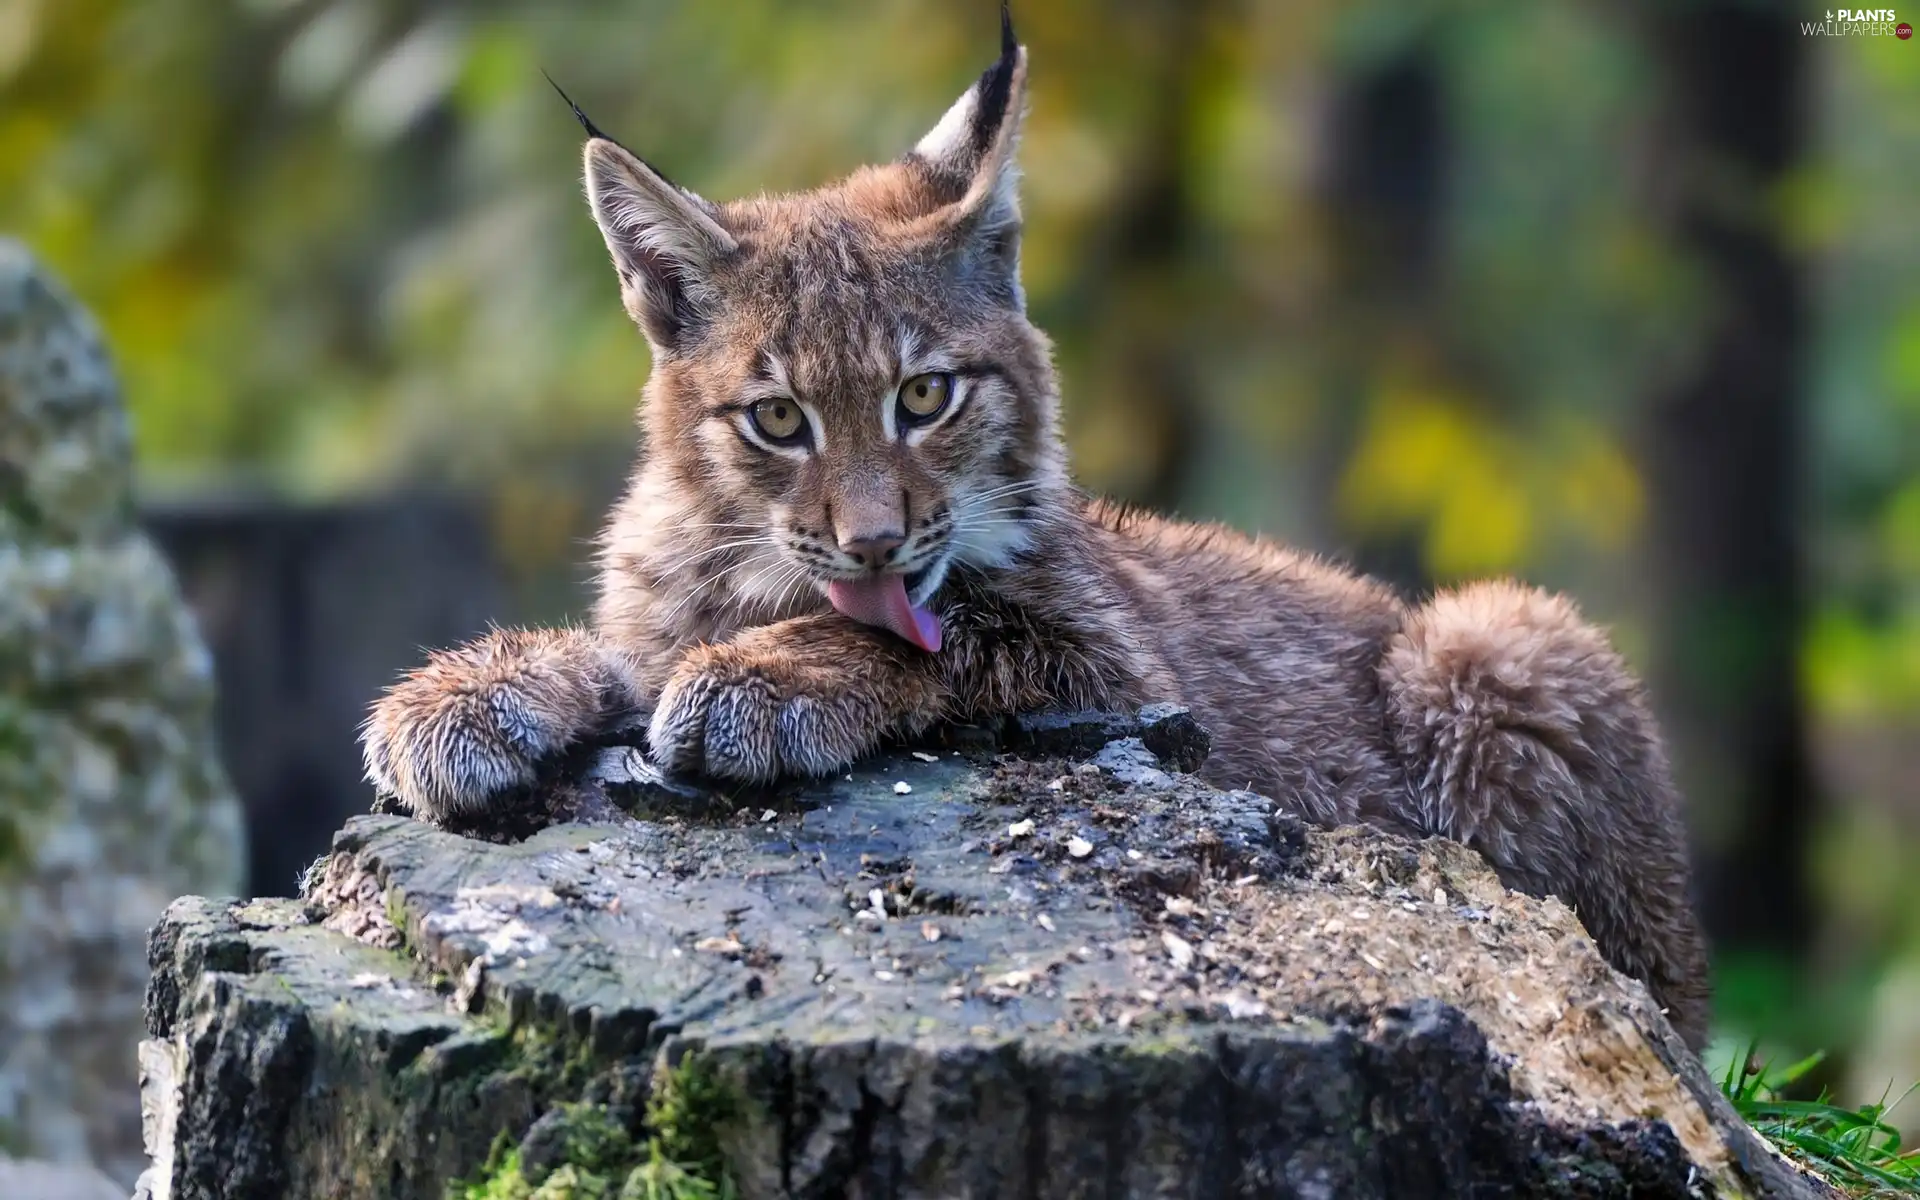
{"points": [[1858, 22]]}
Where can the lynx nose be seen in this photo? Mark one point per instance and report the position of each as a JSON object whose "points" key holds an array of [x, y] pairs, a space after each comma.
{"points": [[873, 553]]}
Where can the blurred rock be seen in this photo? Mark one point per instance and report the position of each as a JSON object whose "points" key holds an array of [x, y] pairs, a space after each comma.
{"points": [[1887, 1061], [48, 1181], [112, 799]]}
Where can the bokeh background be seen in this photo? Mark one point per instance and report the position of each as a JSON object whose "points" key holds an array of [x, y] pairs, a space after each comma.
{"points": [[1621, 297]]}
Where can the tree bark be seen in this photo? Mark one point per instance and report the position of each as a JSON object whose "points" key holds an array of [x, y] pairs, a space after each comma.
{"points": [[1382, 191], [1724, 456]]}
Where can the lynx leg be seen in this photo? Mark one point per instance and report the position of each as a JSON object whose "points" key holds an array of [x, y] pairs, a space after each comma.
{"points": [[1526, 738], [471, 726]]}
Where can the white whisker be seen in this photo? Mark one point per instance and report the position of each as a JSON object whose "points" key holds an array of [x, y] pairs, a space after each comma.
{"points": [[1008, 489], [996, 512], [798, 579], [712, 550], [691, 595], [745, 590]]}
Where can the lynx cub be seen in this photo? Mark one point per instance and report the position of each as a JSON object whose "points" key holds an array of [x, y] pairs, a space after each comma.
{"points": [[852, 517]]}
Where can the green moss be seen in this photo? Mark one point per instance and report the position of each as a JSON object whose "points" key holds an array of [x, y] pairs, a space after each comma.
{"points": [[599, 1160], [499, 1179], [689, 1105], [13, 843], [13, 1141], [21, 781], [594, 1156], [397, 916], [660, 1178]]}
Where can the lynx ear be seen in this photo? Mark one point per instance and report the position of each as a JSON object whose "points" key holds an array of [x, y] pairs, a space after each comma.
{"points": [[970, 158], [665, 240]]}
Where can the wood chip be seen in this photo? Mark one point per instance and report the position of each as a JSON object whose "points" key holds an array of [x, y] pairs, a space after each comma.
{"points": [[929, 931], [1178, 949], [1045, 922], [1180, 906], [923, 756]]}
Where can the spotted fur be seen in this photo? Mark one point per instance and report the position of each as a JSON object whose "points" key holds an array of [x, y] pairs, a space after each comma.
{"points": [[1493, 715]]}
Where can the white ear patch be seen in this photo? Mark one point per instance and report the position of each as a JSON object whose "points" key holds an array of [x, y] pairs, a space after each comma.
{"points": [[949, 138], [634, 203]]}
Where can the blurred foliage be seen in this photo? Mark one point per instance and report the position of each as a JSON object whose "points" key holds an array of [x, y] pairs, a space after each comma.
{"points": [[339, 244]]}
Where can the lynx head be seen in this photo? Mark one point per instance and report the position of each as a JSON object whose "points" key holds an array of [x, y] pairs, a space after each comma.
{"points": [[845, 383]]}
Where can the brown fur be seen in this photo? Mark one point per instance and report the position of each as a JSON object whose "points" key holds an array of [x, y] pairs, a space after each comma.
{"points": [[1491, 714]]}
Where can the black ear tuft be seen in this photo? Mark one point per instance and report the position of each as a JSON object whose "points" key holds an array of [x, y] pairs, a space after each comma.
{"points": [[586, 122], [991, 107], [594, 131]]}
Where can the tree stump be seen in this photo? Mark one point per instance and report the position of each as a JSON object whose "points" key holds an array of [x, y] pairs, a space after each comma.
{"points": [[1035, 961]]}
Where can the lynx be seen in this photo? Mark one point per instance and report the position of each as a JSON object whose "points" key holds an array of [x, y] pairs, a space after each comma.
{"points": [[852, 518]]}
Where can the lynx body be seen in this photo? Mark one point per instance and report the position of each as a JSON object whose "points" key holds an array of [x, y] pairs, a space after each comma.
{"points": [[852, 518]]}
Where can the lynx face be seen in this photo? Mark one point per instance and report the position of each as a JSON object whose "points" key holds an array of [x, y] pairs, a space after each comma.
{"points": [[847, 376]]}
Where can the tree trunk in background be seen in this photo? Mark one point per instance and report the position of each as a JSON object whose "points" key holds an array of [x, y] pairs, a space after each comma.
{"points": [[1724, 458], [310, 613], [1143, 321], [1382, 186]]}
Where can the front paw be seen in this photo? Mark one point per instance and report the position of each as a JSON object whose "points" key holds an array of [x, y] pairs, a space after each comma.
{"points": [[474, 725], [757, 719]]}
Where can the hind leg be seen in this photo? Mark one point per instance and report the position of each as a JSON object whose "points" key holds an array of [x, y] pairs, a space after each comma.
{"points": [[1525, 737]]}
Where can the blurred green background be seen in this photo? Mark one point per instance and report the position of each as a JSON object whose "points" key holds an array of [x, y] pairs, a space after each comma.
{"points": [[1624, 298]]}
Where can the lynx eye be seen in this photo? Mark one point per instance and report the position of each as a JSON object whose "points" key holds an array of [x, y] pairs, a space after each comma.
{"points": [[778, 419], [924, 397]]}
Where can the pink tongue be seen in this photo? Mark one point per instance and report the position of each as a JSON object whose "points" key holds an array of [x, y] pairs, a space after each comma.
{"points": [[882, 600]]}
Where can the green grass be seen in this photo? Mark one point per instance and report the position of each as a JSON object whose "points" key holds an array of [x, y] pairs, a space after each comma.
{"points": [[1852, 1148]]}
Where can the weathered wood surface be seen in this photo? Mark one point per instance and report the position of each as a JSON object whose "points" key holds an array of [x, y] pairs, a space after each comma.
{"points": [[951, 973]]}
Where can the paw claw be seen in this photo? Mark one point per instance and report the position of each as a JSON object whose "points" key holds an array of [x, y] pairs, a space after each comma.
{"points": [[677, 734], [740, 733], [811, 743]]}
